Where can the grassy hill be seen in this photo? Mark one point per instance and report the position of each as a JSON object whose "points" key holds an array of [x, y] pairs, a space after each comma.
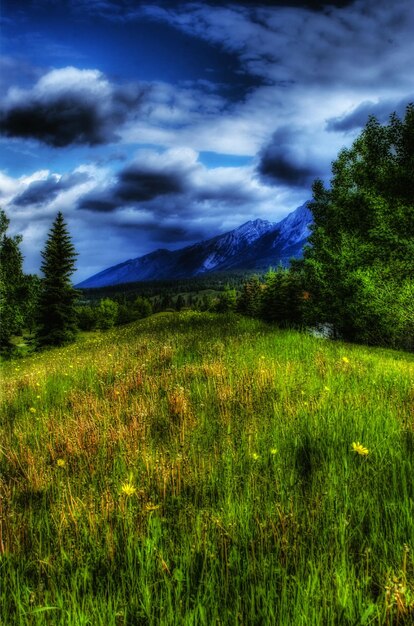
{"points": [[199, 469]]}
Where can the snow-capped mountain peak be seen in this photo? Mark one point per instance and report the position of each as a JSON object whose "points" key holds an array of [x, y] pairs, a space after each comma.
{"points": [[256, 245]]}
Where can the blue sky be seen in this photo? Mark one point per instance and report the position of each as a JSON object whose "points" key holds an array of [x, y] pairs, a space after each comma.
{"points": [[159, 124]]}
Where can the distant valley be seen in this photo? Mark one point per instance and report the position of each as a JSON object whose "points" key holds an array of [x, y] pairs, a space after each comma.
{"points": [[256, 245]]}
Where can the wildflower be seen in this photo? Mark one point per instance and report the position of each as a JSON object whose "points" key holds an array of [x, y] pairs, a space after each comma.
{"points": [[128, 489], [60, 462], [273, 451], [32, 409], [151, 507], [255, 456], [358, 448], [345, 359]]}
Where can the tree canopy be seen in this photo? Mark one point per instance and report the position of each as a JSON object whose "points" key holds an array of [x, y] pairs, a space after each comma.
{"points": [[360, 263]]}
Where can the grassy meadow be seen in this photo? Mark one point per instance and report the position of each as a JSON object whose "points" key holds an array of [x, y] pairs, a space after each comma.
{"points": [[198, 469]]}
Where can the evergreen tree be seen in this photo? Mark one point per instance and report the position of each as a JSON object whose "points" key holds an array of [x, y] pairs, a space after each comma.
{"points": [[282, 298], [57, 312], [12, 284], [361, 258], [249, 302]]}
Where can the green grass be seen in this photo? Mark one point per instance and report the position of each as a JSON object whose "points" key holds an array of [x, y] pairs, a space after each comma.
{"points": [[248, 505]]}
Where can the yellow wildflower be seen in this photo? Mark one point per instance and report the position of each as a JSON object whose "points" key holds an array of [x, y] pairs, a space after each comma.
{"points": [[60, 463], [255, 456], [273, 451], [128, 489], [345, 359], [358, 448], [151, 507], [32, 409]]}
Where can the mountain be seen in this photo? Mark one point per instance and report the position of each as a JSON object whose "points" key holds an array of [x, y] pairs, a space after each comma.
{"points": [[256, 245]]}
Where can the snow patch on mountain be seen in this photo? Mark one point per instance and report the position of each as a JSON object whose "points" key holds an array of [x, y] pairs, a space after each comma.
{"points": [[256, 245]]}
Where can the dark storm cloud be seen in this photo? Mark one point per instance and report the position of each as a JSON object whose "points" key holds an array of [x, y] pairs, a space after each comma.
{"points": [[137, 185], [69, 106], [280, 163], [358, 117], [43, 191], [134, 185]]}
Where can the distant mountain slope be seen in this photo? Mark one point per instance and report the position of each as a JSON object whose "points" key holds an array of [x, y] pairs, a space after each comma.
{"points": [[256, 245]]}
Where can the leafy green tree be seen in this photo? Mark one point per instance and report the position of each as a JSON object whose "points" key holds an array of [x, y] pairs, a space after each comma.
{"points": [[142, 307], [362, 240], [282, 297], [57, 319], [87, 316], [107, 313], [12, 284]]}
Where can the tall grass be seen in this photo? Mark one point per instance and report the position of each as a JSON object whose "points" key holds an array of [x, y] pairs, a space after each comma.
{"points": [[198, 469]]}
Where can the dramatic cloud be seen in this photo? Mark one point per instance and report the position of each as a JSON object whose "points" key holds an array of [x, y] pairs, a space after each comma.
{"points": [[280, 86], [360, 45], [43, 191], [357, 118], [284, 163], [150, 176], [69, 106], [166, 199]]}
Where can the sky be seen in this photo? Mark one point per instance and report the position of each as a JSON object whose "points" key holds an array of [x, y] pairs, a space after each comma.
{"points": [[159, 124]]}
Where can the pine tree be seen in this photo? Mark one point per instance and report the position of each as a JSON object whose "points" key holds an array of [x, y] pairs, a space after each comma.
{"points": [[56, 312]]}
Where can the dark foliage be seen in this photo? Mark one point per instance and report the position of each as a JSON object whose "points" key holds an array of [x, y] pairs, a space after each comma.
{"points": [[57, 321]]}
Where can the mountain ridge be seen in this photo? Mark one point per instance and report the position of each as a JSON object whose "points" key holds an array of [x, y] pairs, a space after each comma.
{"points": [[255, 245]]}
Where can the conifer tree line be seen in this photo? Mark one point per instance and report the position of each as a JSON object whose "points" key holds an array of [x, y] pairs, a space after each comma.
{"points": [[356, 276]]}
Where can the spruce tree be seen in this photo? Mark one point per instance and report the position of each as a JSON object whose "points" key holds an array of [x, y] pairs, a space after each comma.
{"points": [[56, 311]]}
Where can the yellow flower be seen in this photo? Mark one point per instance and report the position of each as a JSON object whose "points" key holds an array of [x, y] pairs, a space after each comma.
{"points": [[128, 489], [358, 448], [60, 463], [273, 450], [345, 359], [255, 456], [151, 507], [32, 409]]}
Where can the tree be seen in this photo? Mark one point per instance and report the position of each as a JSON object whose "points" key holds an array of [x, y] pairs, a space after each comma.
{"points": [[12, 284], [107, 313], [362, 242], [249, 302], [142, 307], [226, 300], [57, 299], [282, 297]]}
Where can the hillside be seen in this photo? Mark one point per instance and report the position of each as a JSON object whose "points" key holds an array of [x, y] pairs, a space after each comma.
{"points": [[200, 469]]}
